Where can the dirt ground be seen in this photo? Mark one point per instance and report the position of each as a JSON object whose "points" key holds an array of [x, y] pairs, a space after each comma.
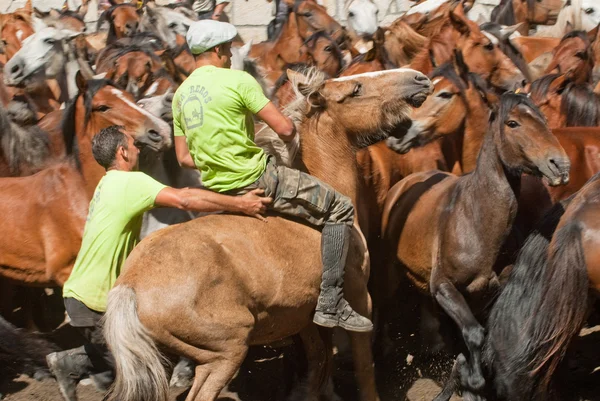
{"points": [[404, 373]]}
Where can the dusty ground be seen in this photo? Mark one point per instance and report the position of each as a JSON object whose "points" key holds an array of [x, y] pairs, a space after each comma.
{"points": [[405, 373]]}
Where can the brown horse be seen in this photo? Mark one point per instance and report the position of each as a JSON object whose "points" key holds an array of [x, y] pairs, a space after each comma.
{"points": [[47, 210], [566, 103], [14, 28], [527, 12], [481, 55], [305, 18], [445, 242], [544, 304], [64, 19], [123, 20], [457, 111], [571, 57], [281, 302], [402, 43]]}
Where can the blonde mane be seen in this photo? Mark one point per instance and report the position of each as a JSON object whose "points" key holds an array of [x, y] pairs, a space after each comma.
{"points": [[308, 82]]}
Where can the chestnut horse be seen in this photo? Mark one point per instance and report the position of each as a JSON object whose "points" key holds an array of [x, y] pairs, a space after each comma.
{"points": [[305, 18], [14, 28], [123, 20], [47, 210], [527, 12], [481, 55], [445, 232], [267, 291], [544, 304]]}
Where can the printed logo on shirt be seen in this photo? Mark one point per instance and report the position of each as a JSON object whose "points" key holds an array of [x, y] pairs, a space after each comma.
{"points": [[192, 109]]}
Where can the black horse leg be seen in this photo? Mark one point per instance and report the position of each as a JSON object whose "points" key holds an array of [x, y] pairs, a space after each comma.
{"points": [[455, 305], [458, 374]]}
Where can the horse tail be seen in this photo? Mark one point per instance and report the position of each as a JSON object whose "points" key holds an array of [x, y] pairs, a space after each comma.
{"points": [[140, 371], [565, 300], [541, 308]]}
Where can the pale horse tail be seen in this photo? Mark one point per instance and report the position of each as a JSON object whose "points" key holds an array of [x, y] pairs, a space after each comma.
{"points": [[140, 370]]}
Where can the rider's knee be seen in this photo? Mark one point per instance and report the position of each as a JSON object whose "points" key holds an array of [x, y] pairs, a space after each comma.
{"points": [[342, 211]]}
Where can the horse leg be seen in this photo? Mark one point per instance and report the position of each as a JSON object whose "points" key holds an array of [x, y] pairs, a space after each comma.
{"points": [[363, 365], [430, 326], [455, 305], [458, 374], [212, 377], [319, 354]]}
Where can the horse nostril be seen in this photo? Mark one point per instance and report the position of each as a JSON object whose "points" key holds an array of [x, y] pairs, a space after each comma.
{"points": [[15, 70], [523, 83], [154, 135], [421, 78]]}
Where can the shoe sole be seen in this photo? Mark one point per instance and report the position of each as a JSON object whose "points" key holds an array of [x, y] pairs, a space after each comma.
{"points": [[329, 324]]}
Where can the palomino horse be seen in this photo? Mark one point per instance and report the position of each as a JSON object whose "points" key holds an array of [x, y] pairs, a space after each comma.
{"points": [[566, 103], [544, 304], [123, 21], [249, 312], [305, 18], [529, 12], [48, 224], [481, 55], [444, 242]]}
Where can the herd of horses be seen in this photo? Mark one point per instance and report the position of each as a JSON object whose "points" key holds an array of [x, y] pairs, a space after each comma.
{"points": [[469, 143]]}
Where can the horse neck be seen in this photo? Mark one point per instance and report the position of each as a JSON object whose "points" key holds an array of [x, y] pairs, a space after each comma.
{"points": [[328, 155], [91, 171], [475, 128], [492, 180]]}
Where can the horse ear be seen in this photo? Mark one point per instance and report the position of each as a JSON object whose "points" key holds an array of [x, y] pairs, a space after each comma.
{"points": [[39, 14], [461, 66], [459, 22], [82, 9], [54, 13], [300, 82], [569, 27], [559, 84], [81, 82], [245, 49], [27, 8], [509, 30]]}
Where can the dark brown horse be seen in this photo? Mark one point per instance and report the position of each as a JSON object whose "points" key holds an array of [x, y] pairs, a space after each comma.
{"points": [[528, 12], [445, 232], [47, 210], [544, 304]]}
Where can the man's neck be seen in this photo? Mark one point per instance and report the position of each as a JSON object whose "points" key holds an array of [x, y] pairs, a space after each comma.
{"points": [[120, 166], [204, 61]]}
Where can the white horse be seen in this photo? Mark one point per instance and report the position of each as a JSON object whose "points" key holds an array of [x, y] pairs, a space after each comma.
{"points": [[481, 11], [362, 17], [581, 15], [47, 54]]}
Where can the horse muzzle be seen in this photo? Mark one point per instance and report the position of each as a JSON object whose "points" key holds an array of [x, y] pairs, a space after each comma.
{"points": [[556, 170]]}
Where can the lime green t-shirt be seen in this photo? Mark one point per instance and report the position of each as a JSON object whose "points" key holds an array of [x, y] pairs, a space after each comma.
{"points": [[111, 231], [213, 109]]}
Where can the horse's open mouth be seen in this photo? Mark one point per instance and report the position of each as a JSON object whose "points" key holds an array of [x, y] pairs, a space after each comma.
{"points": [[556, 172], [419, 97]]}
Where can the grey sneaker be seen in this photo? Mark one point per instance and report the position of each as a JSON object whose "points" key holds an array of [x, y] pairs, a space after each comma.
{"points": [[58, 367], [345, 317]]}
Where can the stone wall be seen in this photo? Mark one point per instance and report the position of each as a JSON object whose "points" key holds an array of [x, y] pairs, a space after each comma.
{"points": [[250, 16]]}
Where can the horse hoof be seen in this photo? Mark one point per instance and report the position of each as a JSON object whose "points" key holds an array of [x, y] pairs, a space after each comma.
{"points": [[476, 382]]}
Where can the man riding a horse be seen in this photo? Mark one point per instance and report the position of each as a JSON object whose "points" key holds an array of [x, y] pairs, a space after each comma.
{"points": [[214, 133], [112, 230]]}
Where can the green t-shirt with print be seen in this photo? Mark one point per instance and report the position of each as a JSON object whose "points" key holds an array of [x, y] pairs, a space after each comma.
{"points": [[213, 109], [111, 231]]}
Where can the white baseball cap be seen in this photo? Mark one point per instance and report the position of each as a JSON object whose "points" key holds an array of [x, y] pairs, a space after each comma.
{"points": [[206, 34]]}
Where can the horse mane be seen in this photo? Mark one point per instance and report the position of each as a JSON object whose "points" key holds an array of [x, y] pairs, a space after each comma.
{"points": [[539, 87], [283, 78], [412, 40], [298, 110], [21, 139], [71, 13], [510, 100], [69, 123], [576, 34], [580, 105], [134, 47], [504, 13], [426, 53]]}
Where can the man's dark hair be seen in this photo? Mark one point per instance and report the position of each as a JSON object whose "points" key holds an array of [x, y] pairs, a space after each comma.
{"points": [[106, 143]]}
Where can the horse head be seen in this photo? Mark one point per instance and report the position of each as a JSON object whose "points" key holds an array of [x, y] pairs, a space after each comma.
{"points": [[362, 18]]}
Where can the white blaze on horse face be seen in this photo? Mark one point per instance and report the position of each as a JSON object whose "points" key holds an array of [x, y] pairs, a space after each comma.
{"points": [[491, 37], [426, 7], [375, 74], [163, 128], [362, 17]]}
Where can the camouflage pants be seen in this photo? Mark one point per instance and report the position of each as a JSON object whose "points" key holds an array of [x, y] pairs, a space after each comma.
{"points": [[301, 195]]}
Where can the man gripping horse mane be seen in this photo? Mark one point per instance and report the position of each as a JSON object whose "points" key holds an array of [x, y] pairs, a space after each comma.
{"points": [[214, 132]]}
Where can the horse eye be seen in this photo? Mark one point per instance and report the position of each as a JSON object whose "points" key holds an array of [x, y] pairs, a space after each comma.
{"points": [[513, 124], [328, 48], [102, 108], [50, 41], [357, 90], [445, 95], [173, 25], [350, 14], [489, 46], [589, 10]]}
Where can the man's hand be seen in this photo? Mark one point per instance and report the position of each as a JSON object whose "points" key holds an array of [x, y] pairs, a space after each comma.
{"points": [[216, 16], [253, 204]]}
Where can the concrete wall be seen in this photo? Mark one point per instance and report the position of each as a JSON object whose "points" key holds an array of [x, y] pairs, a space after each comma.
{"points": [[250, 16]]}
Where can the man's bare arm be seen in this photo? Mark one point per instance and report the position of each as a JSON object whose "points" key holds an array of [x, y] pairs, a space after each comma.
{"points": [[201, 200], [183, 153], [282, 125]]}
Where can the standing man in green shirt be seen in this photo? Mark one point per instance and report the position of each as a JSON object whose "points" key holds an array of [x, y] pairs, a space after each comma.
{"points": [[214, 132], [111, 231]]}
